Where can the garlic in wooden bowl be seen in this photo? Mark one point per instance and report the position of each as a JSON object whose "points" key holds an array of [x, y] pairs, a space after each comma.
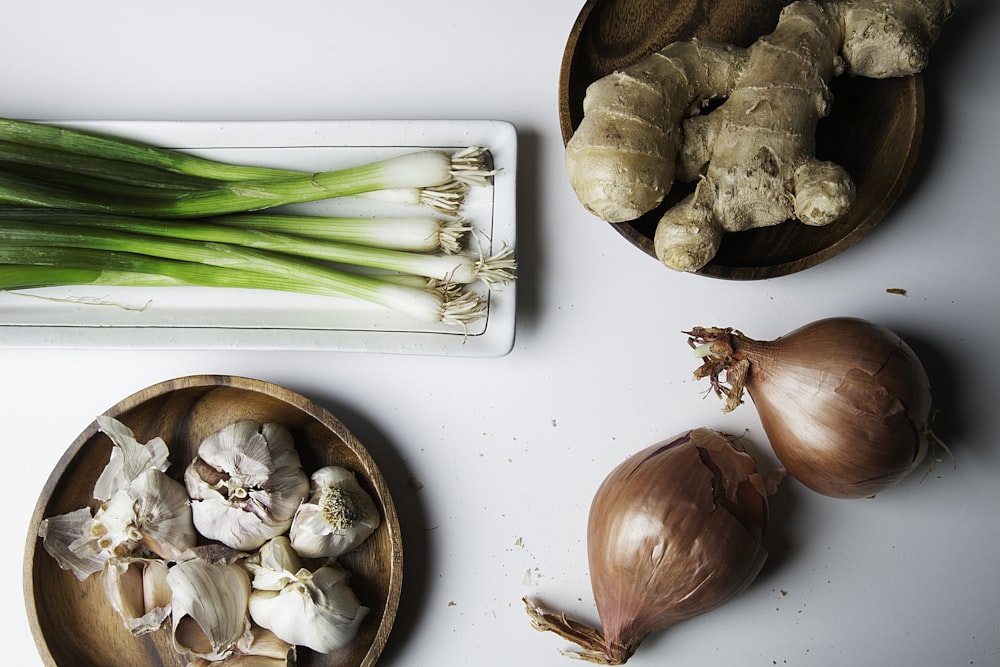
{"points": [[338, 516], [74, 622], [312, 608], [246, 483]]}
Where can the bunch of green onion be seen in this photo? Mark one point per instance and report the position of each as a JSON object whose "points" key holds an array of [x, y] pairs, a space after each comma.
{"points": [[78, 208]]}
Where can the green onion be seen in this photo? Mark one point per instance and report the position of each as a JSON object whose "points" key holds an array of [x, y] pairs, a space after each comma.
{"points": [[21, 276], [45, 162], [443, 199], [56, 189], [418, 234], [81, 143], [91, 209], [23, 266], [96, 230]]}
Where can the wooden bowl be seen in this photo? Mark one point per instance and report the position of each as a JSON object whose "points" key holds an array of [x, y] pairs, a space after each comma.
{"points": [[72, 621], [874, 130]]}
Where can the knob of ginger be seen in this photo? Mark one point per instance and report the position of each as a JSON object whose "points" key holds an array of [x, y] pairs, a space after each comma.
{"points": [[753, 156]]}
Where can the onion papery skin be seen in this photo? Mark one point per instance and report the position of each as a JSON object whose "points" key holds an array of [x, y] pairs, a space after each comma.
{"points": [[845, 402], [673, 532]]}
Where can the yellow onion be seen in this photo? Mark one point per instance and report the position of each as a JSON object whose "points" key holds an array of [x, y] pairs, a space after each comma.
{"points": [[845, 403], [674, 531]]}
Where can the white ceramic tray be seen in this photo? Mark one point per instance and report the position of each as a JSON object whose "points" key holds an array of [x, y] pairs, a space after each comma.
{"points": [[204, 318]]}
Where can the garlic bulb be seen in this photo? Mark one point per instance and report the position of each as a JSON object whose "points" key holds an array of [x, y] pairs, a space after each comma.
{"points": [[137, 589], [209, 607], [142, 509], [338, 516], [317, 609], [245, 484], [152, 512], [150, 515]]}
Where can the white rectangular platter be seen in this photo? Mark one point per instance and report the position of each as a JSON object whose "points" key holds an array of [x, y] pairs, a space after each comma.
{"points": [[214, 318]]}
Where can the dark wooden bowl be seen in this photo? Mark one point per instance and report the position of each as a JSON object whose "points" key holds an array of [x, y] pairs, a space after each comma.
{"points": [[874, 130], [72, 621]]}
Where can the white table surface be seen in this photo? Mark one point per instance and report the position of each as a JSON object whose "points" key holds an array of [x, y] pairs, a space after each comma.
{"points": [[508, 451]]}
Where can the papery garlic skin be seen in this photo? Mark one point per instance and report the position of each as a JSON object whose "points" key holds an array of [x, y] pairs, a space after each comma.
{"points": [[315, 609], [129, 459], [245, 484], [209, 608], [336, 519], [59, 532], [137, 589]]}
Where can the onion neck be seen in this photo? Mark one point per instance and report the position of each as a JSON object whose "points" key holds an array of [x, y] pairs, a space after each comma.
{"points": [[724, 362]]}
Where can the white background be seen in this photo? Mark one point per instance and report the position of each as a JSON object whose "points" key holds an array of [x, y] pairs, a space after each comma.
{"points": [[509, 451]]}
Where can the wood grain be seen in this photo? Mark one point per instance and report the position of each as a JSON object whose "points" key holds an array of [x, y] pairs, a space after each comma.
{"points": [[72, 622], [874, 130]]}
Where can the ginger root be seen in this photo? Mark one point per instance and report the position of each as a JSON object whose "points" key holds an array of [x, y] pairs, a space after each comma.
{"points": [[753, 156]]}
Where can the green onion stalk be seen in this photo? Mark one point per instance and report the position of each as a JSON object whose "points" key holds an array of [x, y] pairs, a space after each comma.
{"points": [[33, 258], [414, 233], [54, 188], [78, 229], [79, 198], [79, 144]]}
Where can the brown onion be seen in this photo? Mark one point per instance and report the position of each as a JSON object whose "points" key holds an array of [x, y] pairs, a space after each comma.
{"points": [[845, 402], [674, 531]]}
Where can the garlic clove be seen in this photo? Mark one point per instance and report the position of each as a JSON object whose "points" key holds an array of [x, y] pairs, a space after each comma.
{"points": [[260, 648], [137, 589], [275, 565], [317, 610], [336, 519], [216, 519], [245, 484], [240, 449], [238, 660], [163, 514], [128, 459], [209, 607], [263, 643]]}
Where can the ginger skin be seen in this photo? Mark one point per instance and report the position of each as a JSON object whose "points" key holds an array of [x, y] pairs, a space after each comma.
{"points": [[753, 157]]}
